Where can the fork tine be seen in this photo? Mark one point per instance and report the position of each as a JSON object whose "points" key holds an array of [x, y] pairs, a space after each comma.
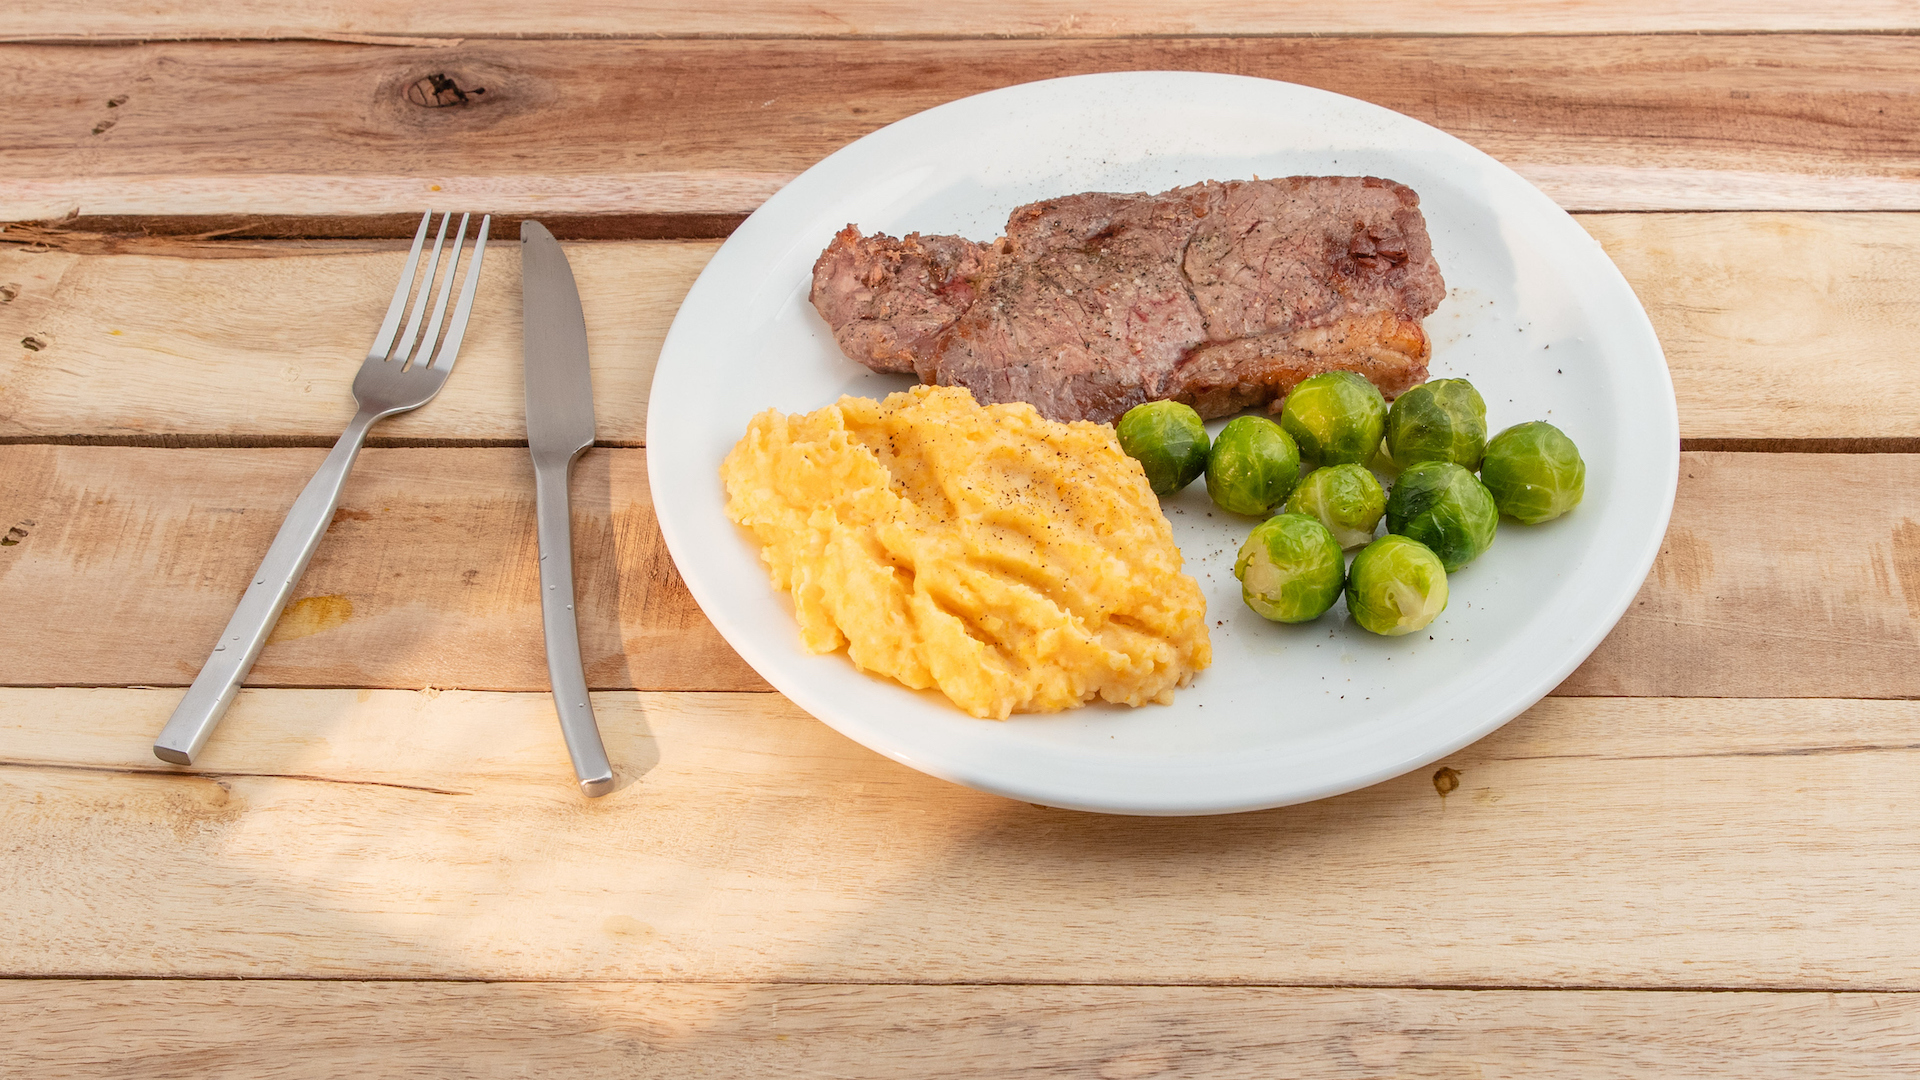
{"points": [[424, 352], [457, 329], [405, 345], [383, 344]]}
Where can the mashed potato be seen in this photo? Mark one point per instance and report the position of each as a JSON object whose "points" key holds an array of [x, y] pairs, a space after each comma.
{"points": [[1015, 563]]}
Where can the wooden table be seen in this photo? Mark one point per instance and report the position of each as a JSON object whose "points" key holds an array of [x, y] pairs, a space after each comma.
{"points": [[1697, 858]]}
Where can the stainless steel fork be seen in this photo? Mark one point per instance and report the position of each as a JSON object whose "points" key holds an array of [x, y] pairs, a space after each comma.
{"points": [[402, 371]]}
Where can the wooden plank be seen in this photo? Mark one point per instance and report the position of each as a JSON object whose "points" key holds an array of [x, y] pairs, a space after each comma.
{"points": [[1782, 575], [374, 20], [1789, 575], [149, 347], [1779, 326], [428, 576], [1776, 326], [1590, 844], [204, 1030], [1602, 123]]}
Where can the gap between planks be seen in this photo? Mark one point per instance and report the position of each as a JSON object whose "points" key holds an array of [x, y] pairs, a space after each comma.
{"points": [[249, 235], [203, 234], [1886, 445], [272, 1028], [401, 41], [396, 23], [946, 984]]}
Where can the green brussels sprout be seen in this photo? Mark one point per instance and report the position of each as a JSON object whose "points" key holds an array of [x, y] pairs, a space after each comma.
{"points": [[1534, 472], [1253, 466], [1444, 420], [1444, 507], [1168, 441], [1345, 498], [1336, 417], [1290, 569], [1396, 586]]}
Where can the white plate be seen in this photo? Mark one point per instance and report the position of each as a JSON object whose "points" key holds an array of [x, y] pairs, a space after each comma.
{"points": [[1535, 314]]}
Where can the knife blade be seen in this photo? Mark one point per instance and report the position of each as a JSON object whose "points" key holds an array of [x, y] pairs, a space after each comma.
{"points": [[559, 430]]}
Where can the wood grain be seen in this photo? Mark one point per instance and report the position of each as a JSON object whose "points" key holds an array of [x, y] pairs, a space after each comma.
{"points": [[427, 577], [1779, 326], [1603, 123], [1592, 843], [210, 1030], [1790, 575], [265, 348], [1776, 326], [1781, 574], [771, 898], [375, 20]]}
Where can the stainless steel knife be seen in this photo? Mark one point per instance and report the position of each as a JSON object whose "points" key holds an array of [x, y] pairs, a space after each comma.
{"points": [[559, 430]]}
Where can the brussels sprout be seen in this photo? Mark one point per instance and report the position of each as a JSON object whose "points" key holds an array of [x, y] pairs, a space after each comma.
{"points": [[1337, 418], [1345, 498], [1290, 569], [1381, 464], [1168, 441], [1253, 466], [1534, 472], [1444, 420], [1396, 586], [1444, 507]]}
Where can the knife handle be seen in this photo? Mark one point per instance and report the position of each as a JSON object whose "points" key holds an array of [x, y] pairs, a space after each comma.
{"points": [[564, 665]]}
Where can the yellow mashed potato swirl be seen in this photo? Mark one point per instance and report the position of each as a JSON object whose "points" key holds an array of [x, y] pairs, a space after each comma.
{"points": [[1015, 563]]}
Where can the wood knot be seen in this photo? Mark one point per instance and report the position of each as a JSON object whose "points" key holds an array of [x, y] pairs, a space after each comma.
{"points": [[8, 291], [32, 343], [1446, 781], [438, 91]]}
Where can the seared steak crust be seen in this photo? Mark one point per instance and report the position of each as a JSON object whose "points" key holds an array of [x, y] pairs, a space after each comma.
{"points": [[888, 300], [1222, 295]]}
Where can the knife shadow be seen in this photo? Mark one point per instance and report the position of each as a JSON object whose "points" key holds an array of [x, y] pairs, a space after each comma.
{"points": [[598, 547]]}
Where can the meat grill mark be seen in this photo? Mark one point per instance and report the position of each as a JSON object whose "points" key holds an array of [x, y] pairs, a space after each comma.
{"points": [[1222, 295]]}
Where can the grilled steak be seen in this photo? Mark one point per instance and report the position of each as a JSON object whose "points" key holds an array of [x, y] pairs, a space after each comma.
{"points": [[1221, 295]]}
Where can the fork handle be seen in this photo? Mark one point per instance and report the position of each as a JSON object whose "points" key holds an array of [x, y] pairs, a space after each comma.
{"points": [[259, 609], [564, 665]]}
